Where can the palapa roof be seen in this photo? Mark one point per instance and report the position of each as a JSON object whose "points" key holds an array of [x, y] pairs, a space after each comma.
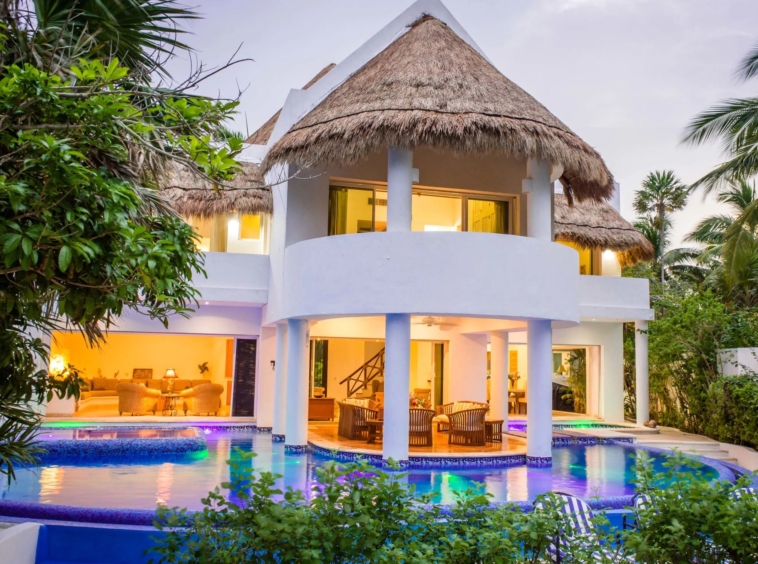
{"points": [[262, 135], [592, 224], [431, 88], [192, 195]]}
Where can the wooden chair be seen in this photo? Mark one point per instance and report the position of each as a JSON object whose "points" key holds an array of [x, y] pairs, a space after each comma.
{"points": [[467, 427], [447, 409], [352, 421], [420, 427]]}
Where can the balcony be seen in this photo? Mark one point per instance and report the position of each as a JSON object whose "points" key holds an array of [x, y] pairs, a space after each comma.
{"points": [[606, 298], [234, 279], [431, 273]]}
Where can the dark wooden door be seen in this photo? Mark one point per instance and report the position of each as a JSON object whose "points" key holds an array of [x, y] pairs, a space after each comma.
{"points": [[243, 397]]}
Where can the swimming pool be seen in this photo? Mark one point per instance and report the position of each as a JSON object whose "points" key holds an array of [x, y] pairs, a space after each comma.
{"points": [[135, 482]]}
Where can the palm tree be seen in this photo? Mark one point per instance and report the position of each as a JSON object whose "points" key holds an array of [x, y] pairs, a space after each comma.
{"points": [[662, 193], [727, 257], [735, 123], [142, 34]]}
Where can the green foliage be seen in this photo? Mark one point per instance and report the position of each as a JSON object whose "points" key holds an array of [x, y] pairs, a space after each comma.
{"points": [[355, 514], [84, 146], [684, 341], [577, 379], [734, 410], [692, 520]]}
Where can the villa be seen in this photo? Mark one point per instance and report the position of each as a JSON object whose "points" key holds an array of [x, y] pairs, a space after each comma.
{"points": [[410, 223]]}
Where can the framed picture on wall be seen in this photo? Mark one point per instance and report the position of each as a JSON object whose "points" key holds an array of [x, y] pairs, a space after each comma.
{"points": [[142, 374]]}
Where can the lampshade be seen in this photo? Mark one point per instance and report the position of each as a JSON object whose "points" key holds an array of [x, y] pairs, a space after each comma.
{"points": [[170, 373]]}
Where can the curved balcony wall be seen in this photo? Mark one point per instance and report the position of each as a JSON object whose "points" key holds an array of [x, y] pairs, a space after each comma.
{"points": [[431, 273]]}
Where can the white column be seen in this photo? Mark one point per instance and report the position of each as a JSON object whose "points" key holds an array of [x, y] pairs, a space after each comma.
{"points": [[399, 189], [396, 386], [265, 380], [642, 384], [280, 384], [539, 393], [296, 428], [539, 199], [499, 376]]}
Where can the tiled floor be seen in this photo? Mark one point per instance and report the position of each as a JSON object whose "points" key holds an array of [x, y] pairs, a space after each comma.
{"points": [[325, 434]]}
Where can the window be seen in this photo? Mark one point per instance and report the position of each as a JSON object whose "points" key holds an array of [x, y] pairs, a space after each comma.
{"points": [[362, 210], [587, 258], [233, 233]]}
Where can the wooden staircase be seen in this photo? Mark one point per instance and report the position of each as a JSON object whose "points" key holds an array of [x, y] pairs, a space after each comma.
{"points": [[370, 370]]}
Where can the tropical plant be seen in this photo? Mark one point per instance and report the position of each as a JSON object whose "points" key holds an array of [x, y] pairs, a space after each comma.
{"points": [[84, 145], [733, 122], [661, 194]]}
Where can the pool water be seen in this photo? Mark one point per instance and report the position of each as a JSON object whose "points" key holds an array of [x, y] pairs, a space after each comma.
{"points": [[113, 433], [181, 480]]}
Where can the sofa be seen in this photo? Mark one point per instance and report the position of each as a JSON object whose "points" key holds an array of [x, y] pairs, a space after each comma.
{"points": [[136, 399], [446, 410], [202, 399], [106, 387]]}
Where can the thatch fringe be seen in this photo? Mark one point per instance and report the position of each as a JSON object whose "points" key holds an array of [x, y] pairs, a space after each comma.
{"points": [[191, 195], [593, 224], [430, 88]]}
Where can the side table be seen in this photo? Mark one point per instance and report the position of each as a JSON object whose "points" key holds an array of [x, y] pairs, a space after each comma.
{"points": [[375, 430], [169, 404], [494, 430]]}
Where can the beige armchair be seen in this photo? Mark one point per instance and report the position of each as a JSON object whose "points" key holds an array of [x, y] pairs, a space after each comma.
{"points": [[137, 399], [205, 398]]}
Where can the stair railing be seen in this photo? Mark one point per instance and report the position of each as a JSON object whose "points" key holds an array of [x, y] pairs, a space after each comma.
{"points": [[370, 370]]}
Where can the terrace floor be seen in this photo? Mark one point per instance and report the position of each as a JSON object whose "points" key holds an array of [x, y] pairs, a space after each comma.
{"points": [[324, 434]]}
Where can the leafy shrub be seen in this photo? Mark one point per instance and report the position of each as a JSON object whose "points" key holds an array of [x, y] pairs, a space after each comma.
{"points": [[359, 514], [692, 519], [734, 410]]}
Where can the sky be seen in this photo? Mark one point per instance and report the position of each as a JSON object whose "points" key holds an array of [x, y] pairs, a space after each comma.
{"points": [[625, 75]]}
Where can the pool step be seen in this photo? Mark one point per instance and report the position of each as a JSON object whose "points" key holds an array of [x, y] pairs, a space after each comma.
{"points": [[707, 448]]}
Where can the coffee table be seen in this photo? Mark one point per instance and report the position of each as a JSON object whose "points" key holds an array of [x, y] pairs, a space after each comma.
{"points": [[494, 430], [169, 404]]}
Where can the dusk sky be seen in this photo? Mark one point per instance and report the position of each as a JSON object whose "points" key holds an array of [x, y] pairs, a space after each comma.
{"points": [[625, 75]]}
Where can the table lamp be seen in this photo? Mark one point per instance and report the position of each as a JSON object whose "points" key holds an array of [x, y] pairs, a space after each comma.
{"points": [[170, 375]]}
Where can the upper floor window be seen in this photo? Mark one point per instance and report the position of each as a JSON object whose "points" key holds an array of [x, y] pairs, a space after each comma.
{"points": [[232, 233], [588, 258], [364, 209]]}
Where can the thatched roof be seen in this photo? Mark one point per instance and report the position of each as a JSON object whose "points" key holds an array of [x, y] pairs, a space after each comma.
{"points": [[430, 88], [592, 224], [262, 135], [191, 195]]}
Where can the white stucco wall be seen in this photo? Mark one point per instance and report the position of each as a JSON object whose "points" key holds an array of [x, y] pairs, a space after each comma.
{"points": [[468, 369], [623, 299], [264, 377], [733, 362], [458, 274], [206, 320], [234, 278]]}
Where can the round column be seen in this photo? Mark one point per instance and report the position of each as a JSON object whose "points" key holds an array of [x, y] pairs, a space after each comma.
{"points": [[499, 388], [296, 428], [399, 189], [397, 387], [280, 384], [539, 388], [539, 200], [642, 384]]}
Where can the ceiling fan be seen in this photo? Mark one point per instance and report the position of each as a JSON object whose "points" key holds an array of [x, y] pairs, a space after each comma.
{"points": [[431, 321]]}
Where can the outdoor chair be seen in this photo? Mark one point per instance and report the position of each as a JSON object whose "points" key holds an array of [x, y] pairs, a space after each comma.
{"points": [[580, 531], [352, 422], [640, 502], [445, 410], [467, 427], [420, 427]]}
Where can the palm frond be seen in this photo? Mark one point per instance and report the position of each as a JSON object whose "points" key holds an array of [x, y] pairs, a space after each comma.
{"points": [[749, 65]]}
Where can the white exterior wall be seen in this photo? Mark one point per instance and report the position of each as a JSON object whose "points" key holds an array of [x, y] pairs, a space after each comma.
{"points": [[734, 362], [468, 368], [265, 378]]}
